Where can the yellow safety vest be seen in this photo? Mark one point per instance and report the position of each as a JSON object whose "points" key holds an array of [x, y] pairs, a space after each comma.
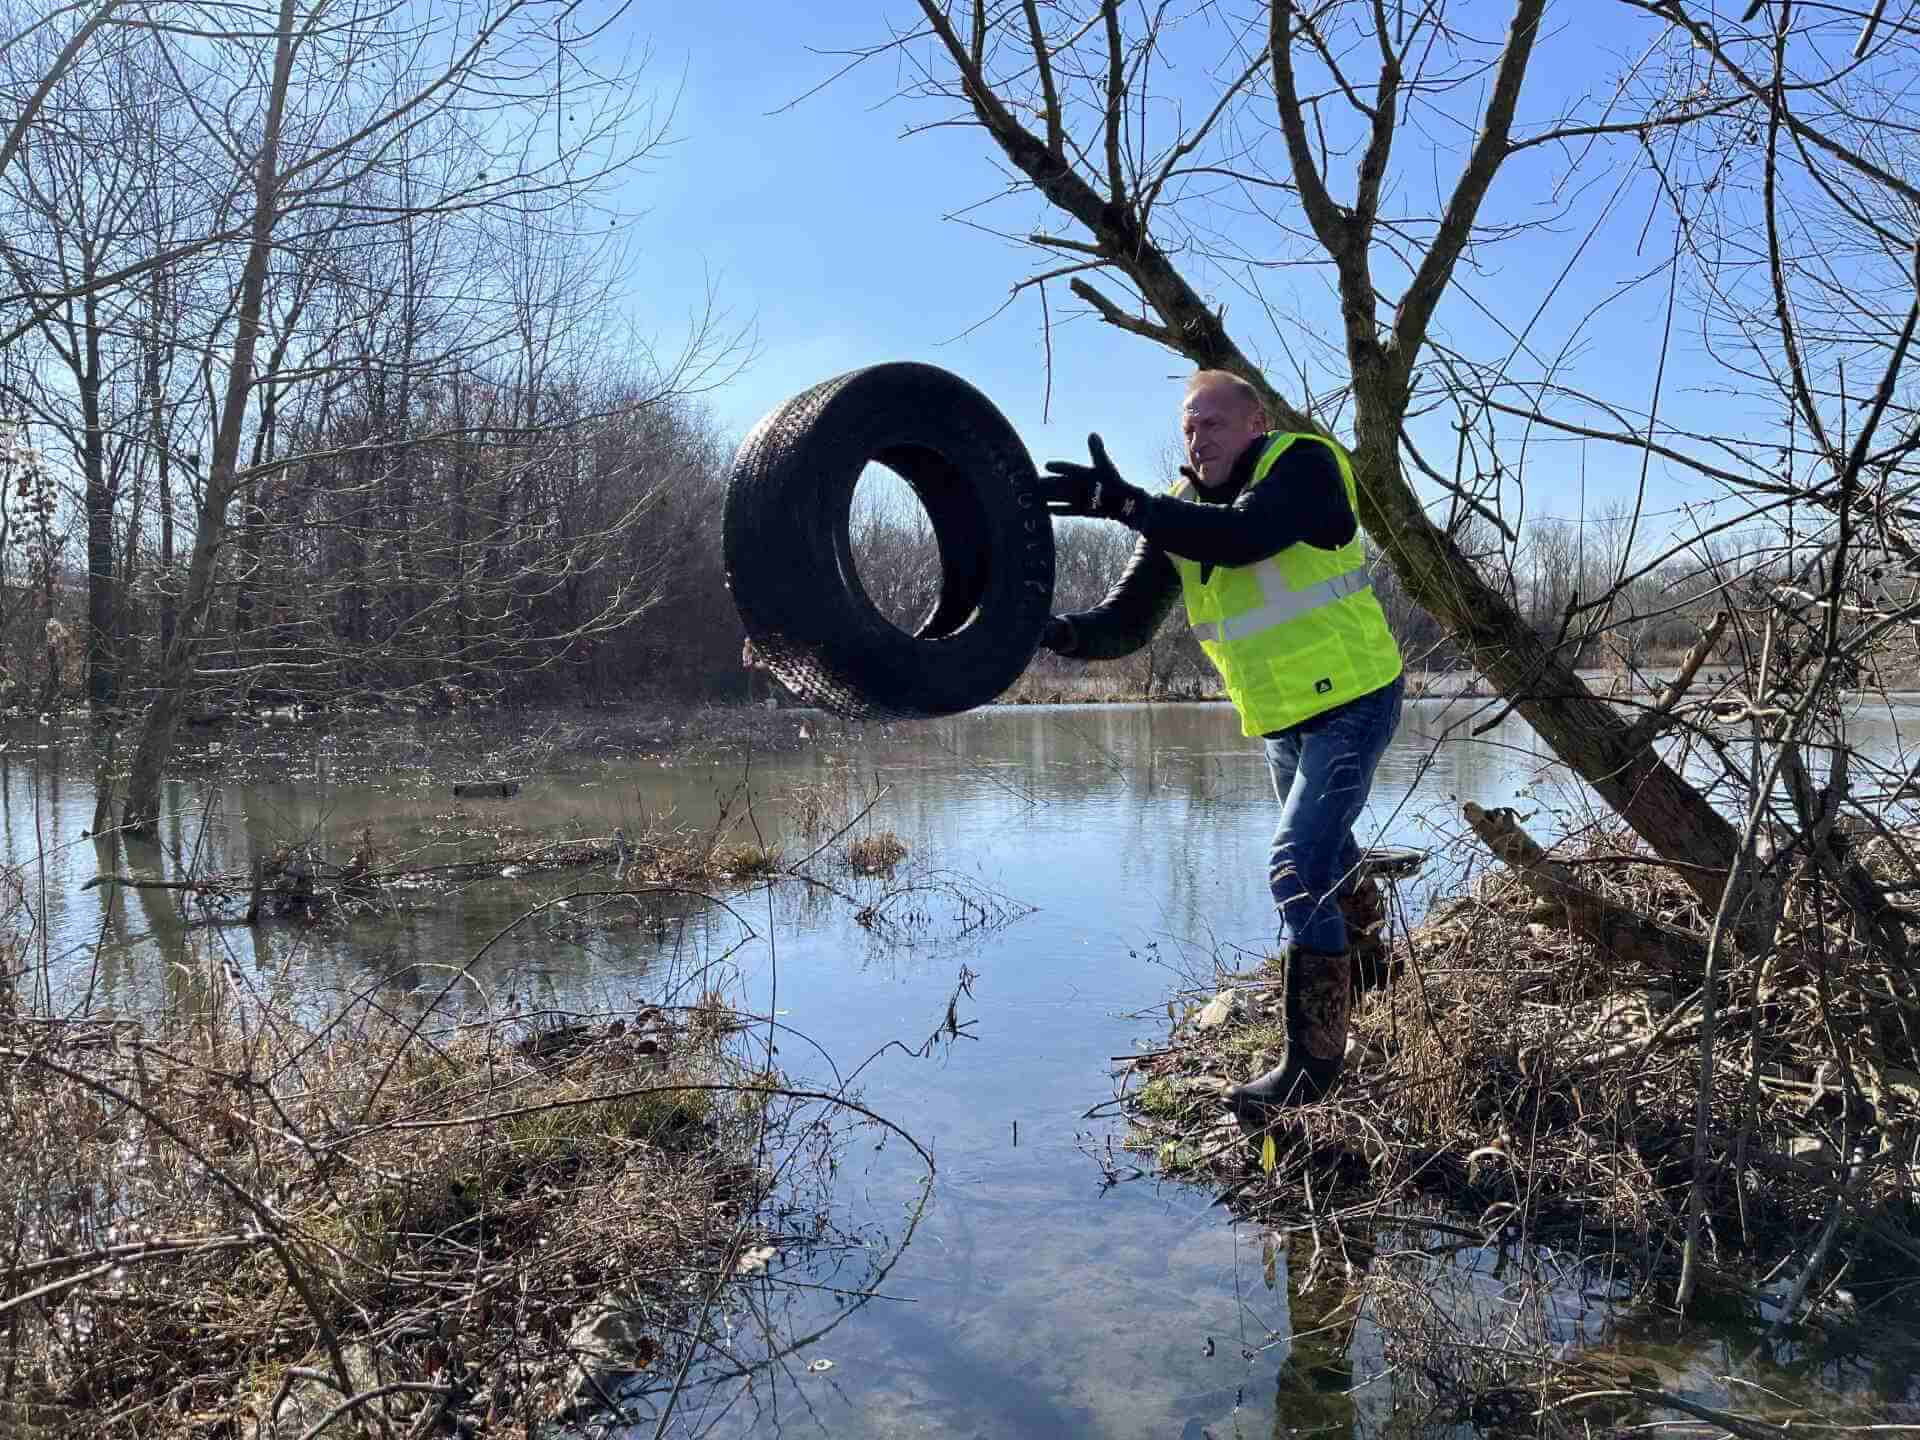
{"points": [[1294, 634]]}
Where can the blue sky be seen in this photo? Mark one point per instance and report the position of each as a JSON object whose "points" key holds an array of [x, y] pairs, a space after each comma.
{"points": [[824, 224]]}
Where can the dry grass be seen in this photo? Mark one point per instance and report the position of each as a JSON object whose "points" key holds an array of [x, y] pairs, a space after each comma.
{"points": [[876, 853], [1535, 1086], [203, 1208], [826, 806], [240, 1217], [745, 859], [1518, 1097]]}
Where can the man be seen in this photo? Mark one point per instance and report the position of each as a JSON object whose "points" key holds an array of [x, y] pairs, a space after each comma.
{"points": [[1262, 542]]}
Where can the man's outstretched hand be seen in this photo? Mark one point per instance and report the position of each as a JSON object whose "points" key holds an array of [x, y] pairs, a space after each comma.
{"points": [[1057, 635], [1094, 490]]}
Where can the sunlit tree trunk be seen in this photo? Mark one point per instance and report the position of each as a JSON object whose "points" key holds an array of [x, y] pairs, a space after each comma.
{"points": [[1673, 817], [101, 685]]}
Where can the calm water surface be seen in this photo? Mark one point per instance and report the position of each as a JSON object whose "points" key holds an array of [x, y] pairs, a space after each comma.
{"points": [[1120, 852]]}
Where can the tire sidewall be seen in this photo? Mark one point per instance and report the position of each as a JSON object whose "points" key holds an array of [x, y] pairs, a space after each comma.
{"points": [[787, 550]]}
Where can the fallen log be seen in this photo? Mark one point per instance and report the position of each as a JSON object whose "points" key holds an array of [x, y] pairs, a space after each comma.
{"points": [[486, 789], [1631, 936], [134, 882]]}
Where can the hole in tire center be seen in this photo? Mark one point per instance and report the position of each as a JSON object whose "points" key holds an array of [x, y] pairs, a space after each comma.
{"points": [[896, 556]]}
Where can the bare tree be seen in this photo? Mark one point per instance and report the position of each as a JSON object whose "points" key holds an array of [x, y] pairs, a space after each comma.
{"points": [[1773, 148], [92, 195], [378, 224], [1309, 128]]}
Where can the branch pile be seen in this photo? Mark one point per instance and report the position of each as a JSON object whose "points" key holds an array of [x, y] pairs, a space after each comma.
{"points": [[229, 1223], [1534, 1065]]}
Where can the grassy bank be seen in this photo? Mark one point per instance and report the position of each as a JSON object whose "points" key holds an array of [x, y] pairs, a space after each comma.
{"points": [[1516, 1088], [255, 1214], [225, 1218], [1523, 1075]]}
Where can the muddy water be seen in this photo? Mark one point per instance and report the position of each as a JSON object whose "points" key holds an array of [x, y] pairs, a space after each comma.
{"points": [[1074, 866]]}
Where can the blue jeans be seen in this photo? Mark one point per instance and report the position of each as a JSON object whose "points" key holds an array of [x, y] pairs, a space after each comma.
{"points": [[1322, 769]]}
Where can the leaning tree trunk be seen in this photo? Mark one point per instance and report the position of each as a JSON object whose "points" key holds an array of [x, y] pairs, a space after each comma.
{"points": [[176, 664], [1592, 737], [1674, 819]]}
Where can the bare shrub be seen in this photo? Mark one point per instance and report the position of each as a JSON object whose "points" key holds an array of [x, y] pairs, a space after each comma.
{"points": [[241, 1209], [880, 851]]}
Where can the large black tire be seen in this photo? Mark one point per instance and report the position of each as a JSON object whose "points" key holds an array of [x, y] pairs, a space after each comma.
{"points": [[789, 556]]}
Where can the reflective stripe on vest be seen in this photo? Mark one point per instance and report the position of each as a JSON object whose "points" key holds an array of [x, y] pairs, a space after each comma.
{"points": [[1295, 634], [1283, 604]]}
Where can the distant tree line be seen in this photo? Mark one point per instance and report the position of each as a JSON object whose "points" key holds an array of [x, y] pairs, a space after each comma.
{"points": [[1651, 610], [567, 547], [312, 377], [311, 388]]}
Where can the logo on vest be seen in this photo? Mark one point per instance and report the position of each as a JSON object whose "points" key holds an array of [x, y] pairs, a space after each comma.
{"points": [[1322, 685]]}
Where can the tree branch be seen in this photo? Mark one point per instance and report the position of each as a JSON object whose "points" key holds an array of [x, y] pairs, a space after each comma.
{"points": [[1192, 141], [1114, 315], [1627, 127], [1057, 242], [1707, 41], [1776, 269], [1328, 220], [1116, 99], [1344, 234], [1190, 328], [1043, 62], [56, 72], [1456, 225], [1373, 163]]}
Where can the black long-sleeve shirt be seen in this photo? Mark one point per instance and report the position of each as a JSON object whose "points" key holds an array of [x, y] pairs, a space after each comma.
{"points": [[1302, 500]]}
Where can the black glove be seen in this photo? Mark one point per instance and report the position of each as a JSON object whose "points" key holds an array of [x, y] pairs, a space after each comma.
{"points": [[1096, 490], [1057, 635]]}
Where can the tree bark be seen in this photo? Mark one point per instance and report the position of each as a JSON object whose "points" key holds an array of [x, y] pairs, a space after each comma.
{"points": [[101, 683], [1625, 933], [1674, 819], [176, 665]]}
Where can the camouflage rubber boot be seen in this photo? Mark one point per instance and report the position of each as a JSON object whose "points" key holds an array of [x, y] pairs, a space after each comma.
{"points": [[1365, 912], [1317, 991]]}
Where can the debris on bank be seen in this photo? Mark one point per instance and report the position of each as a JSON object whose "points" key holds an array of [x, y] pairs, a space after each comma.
{"points": [[474, 745], [229, 1223], [1524, 1080], [312, 881], [486, 789]]}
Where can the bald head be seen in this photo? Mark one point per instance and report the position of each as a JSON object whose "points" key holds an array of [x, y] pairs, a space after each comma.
{"points": [[1221, 415]]}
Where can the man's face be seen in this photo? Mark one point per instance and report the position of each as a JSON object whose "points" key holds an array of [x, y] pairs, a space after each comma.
{"points": [[1217, 425]]}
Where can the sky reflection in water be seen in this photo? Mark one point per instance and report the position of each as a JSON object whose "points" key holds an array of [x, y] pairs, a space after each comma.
{"points": [[1036, 1299]]}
